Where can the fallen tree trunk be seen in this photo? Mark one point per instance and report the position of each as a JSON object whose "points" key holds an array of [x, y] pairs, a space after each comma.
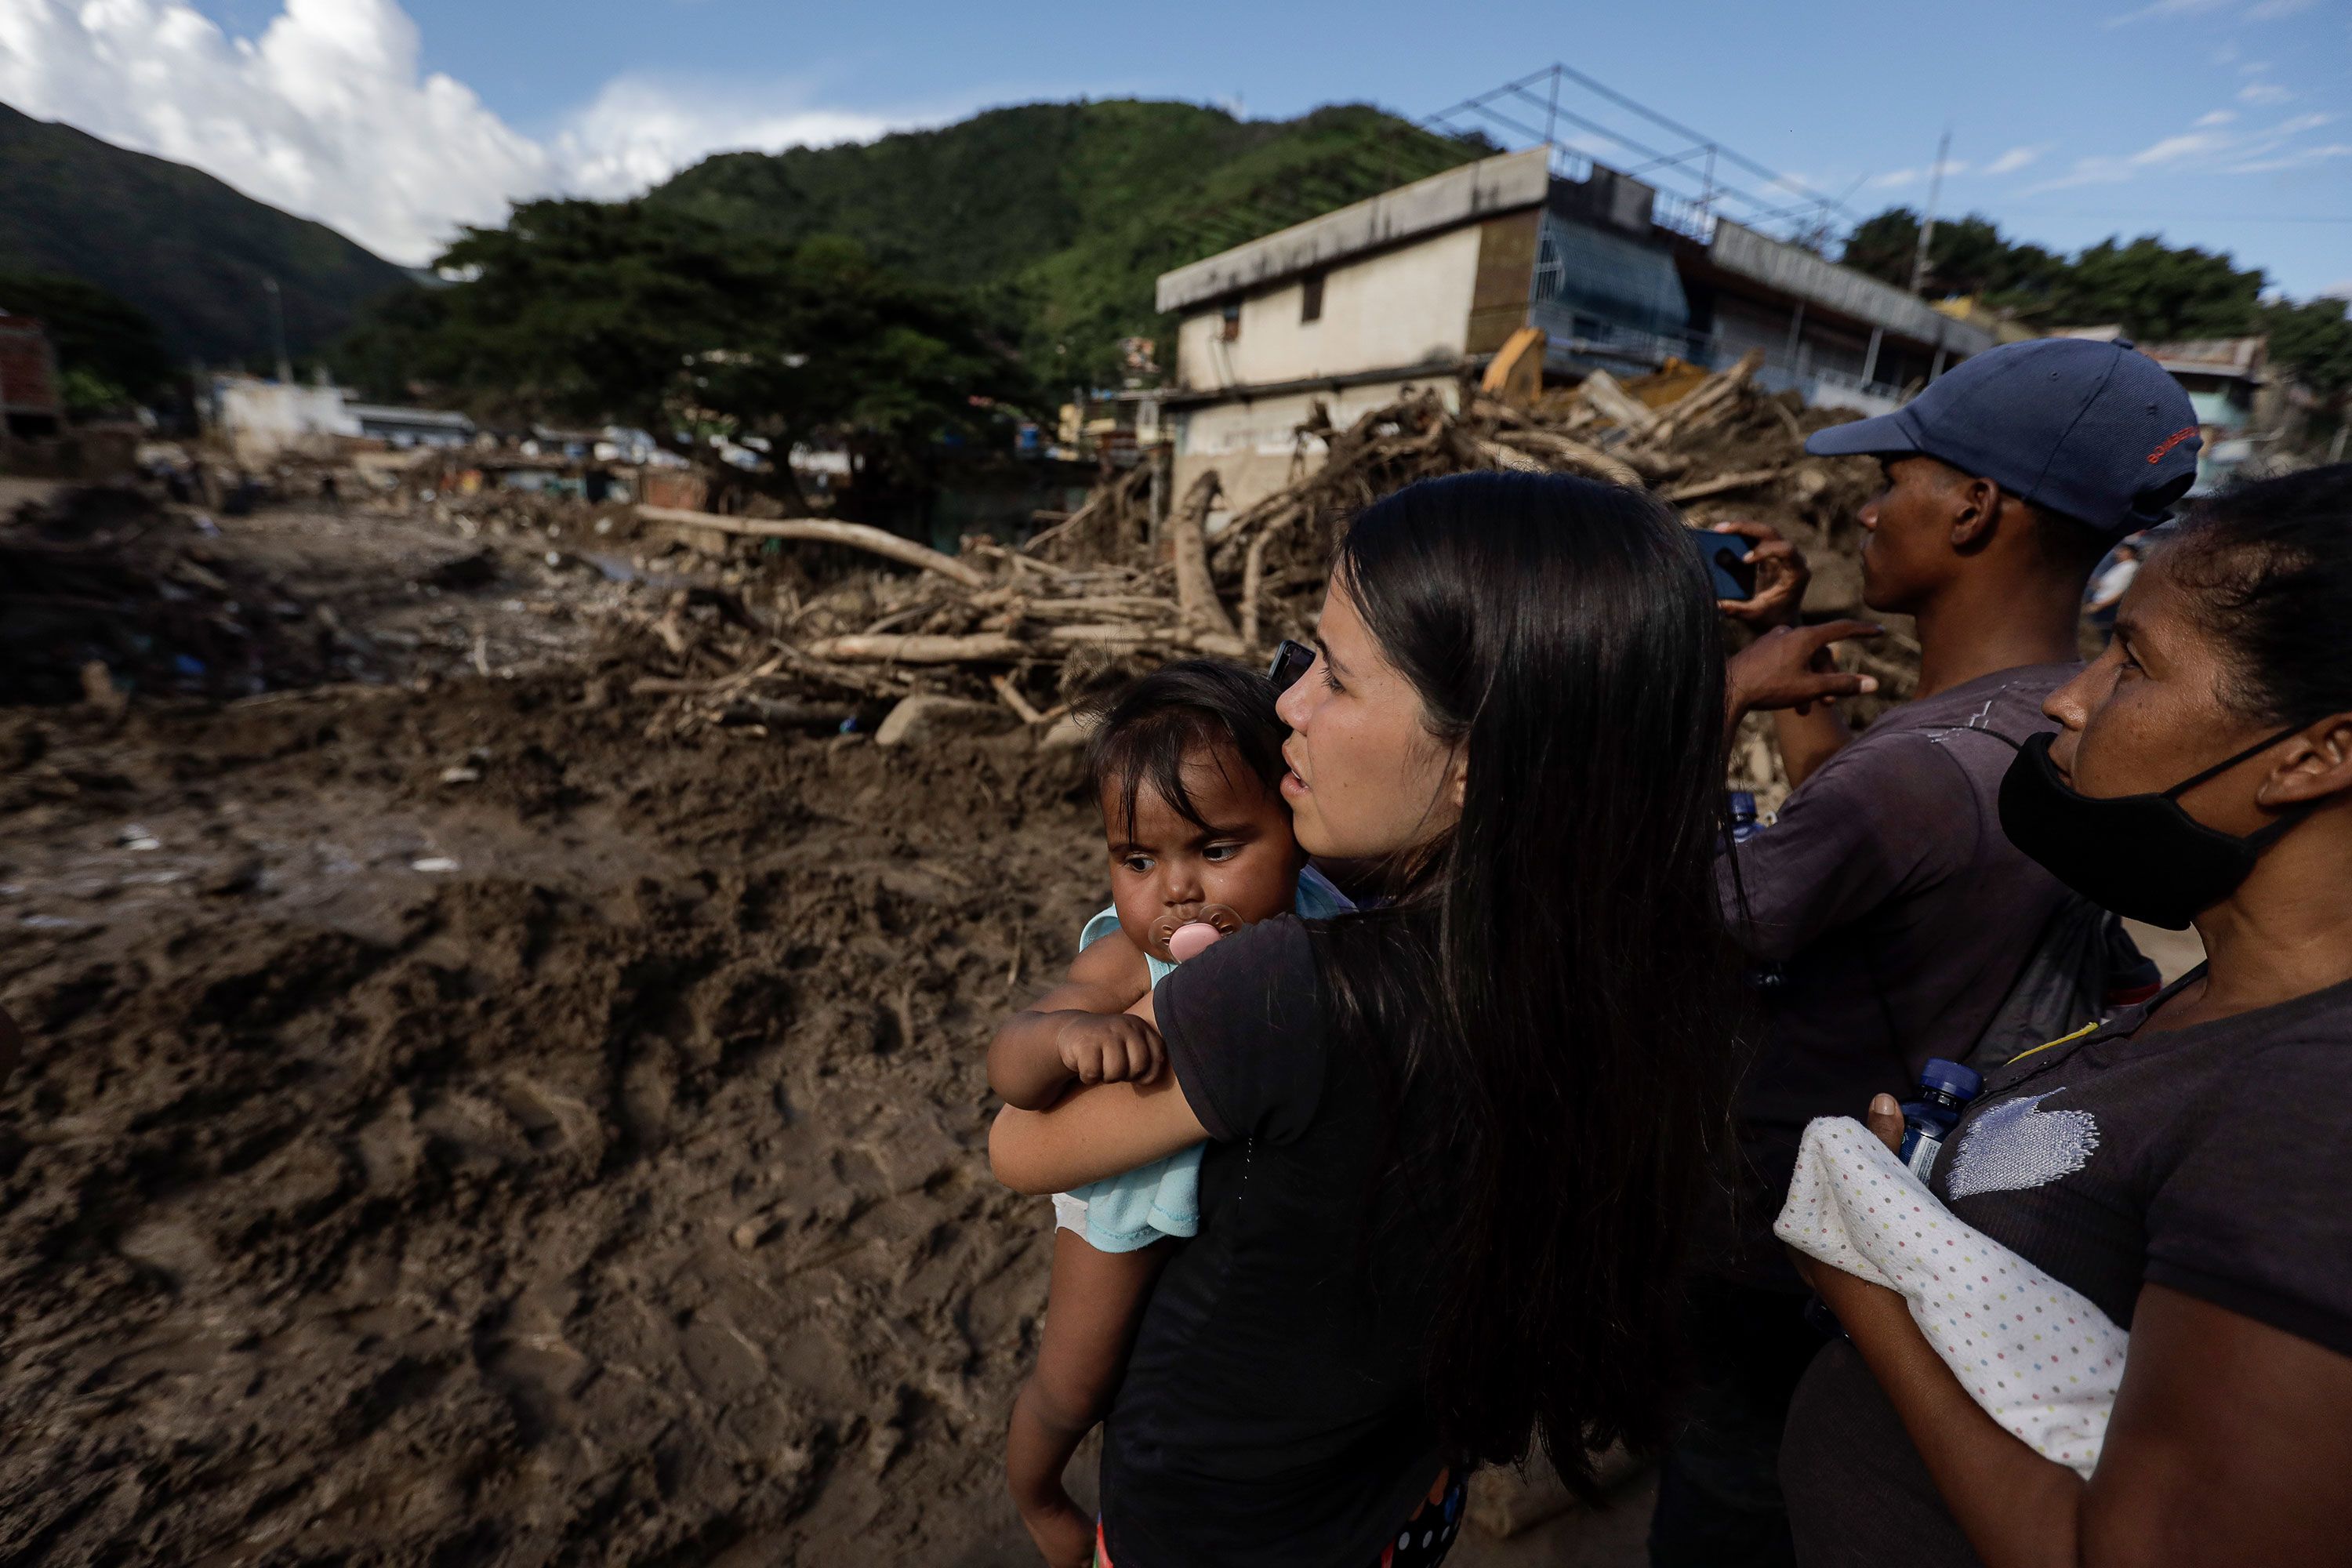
{"points": [[855, 535], [1718, 486], [1196, 590], [916, 648], [1616, 405], [1000, 647]]}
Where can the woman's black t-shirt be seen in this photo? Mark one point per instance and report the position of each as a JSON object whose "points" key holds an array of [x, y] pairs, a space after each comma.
{"points": [[1271, 1411], [2211, 1160]]}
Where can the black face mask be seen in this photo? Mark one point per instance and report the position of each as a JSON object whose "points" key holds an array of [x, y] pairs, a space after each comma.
{"points": [[2139, 855]]}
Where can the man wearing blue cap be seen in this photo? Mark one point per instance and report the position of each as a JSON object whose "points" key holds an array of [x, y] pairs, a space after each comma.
{"points": [[1889, 918]]}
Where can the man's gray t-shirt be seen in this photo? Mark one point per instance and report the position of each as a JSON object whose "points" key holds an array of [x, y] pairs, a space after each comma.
{"points": [[1889, 915]]}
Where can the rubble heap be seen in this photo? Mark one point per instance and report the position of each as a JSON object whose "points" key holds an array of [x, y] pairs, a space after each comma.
{"points": [[1102, 593], [102, 592]]}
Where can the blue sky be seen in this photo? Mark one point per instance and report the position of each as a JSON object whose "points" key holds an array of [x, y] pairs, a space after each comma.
{"points": [[2225, 123]]}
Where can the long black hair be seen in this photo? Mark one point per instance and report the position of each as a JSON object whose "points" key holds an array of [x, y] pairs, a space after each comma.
{"points": [[2271, 565], [1557, 969]]}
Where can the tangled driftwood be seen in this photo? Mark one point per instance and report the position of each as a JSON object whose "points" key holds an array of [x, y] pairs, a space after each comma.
{"points": [[1130, 580]]}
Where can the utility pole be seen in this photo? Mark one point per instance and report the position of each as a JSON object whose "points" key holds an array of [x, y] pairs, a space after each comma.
{"points": [[1928, 224], [277, 331]]}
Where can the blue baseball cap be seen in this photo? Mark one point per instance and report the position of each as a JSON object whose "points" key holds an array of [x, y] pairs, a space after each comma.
{"points": [[2095, 431]]}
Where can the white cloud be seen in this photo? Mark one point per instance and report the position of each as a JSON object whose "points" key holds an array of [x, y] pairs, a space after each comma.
{"points": [[2263, 92], [2219, 117], [2300, 156], [324, 114], [2014, 160], [327, 114], [638, 133], [2168, 8], [1894, 179], [2261, 11], [2206, 146], [2173, 149]]}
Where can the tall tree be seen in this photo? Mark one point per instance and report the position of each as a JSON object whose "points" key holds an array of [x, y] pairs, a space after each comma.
{"points": [[2158, 292], [660, 319], [2314, 340]]}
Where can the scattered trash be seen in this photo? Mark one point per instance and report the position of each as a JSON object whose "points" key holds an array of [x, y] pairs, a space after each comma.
{"points": [[137, 837], [433, 864], [458, 775]]}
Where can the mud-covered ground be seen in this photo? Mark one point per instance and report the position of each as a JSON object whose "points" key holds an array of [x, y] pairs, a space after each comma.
{"points": [[617, 1195], [457, 1127]]}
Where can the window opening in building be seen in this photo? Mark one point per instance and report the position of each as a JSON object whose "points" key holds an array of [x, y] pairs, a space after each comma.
{"points": [[1232, 324], [1549, 270], [1310, 298]]}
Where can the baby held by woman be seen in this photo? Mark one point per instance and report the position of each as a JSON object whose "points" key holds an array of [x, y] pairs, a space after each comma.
{"points": [[1187, 767]]}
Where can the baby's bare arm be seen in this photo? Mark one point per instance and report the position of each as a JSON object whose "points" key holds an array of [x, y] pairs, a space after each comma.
{"points": [[1091, 1310], [1027, 1063]]}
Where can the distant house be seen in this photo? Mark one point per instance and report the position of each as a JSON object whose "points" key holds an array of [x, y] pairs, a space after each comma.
{"points": [[264, 419], [30, 402], [405, 428], [2225, 379], [1416, 286]]}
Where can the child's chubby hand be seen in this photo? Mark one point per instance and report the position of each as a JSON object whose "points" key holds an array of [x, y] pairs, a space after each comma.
{"points": [[1112, 1047]]}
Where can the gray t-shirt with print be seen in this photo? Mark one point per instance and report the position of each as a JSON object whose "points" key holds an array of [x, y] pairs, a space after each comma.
{"points": [[2211, 1160]]}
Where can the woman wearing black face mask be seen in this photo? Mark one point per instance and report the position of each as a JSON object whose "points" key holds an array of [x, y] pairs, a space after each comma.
{"points": [[2187, 1167]]}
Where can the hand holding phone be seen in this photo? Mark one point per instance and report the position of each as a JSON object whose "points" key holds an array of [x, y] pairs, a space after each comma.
{"points": [[1726, 555], [1771, 575]]}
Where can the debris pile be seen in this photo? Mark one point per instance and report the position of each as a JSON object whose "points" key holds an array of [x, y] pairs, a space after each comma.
{"points": [[103, 594], [1110, 589]]}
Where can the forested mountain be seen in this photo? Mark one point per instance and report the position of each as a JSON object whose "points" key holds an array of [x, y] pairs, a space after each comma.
{"points": [[179, 245], [1073, 207]]}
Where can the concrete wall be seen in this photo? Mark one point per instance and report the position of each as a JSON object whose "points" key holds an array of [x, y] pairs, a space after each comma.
{"points": [[1479, 190], [1400, 308], [264, 419], [1790, 269], [1250, 444]]}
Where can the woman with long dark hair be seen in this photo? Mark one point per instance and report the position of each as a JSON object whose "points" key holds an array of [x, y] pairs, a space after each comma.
{"points": [[2185, 1166], [1455, 1140]]}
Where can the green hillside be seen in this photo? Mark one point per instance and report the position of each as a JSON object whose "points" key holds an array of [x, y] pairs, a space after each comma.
{"points": [[179, 245], [1075, 207]]}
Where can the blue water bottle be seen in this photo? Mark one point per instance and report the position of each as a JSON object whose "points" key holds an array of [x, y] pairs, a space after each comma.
{"points": [[1744, 824], [1945, 1091]]}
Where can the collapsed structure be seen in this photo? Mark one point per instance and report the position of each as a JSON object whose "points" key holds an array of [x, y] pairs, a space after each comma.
{"points": [[1412, 289]]}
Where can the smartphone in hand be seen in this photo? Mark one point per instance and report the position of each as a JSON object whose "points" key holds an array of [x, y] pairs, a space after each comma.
{"points": [[1726, 557]]}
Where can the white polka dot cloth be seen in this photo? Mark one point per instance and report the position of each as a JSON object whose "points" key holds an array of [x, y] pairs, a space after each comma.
{"points": [[2040, 1359]]}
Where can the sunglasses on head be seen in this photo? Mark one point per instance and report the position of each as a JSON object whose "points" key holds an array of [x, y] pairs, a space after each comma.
{"points": [[1291, 660]]}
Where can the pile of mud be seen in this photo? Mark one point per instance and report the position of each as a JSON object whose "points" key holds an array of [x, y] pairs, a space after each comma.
{"points": [[105, 577], [616, 1192]]}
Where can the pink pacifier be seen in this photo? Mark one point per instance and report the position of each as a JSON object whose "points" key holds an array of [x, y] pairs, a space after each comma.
{"points": [[1190, 936], [1193, 939]]}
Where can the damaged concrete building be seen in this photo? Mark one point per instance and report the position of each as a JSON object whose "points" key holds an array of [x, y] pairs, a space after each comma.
{"points": [[1418, 285]]}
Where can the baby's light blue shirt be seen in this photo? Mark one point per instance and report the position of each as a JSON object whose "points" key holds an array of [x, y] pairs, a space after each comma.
{"points": [[1138, 1207]]}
